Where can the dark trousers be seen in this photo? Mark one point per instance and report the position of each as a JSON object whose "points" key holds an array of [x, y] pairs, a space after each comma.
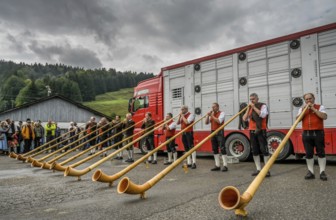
{"points": [[150, 142], [49, 139], [127, 142], [188, 140], [171, 145], [93, 141], [118, 139], [313, 139], [217, 141], [27, 145], [72, 141], [37, 142], [259, 143]]}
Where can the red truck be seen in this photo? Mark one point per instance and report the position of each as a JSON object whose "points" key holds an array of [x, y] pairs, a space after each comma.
{"points": [[279, 70]]}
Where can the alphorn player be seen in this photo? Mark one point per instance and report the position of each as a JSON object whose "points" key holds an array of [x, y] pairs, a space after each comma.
{"points": [[90, 128], [170, 129], [103, 127], [118, 128], [256, 112], [148, 124], [185, 119], [313, 135], [216, 119], [128, 133]]}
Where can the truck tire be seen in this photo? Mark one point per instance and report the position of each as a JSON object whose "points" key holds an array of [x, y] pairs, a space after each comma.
{"points": [[274, 139], [238, 145], [143, 147]]}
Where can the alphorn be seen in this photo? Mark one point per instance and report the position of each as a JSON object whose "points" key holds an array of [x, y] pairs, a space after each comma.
{"points": [[23, 157], [37, 162], [30, 159], [230, 198], [60, 167], [100, 176], [47, 165], [127, 186], [73, 172]]}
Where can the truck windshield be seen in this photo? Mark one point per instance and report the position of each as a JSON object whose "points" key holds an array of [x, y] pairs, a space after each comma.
{"points": [[140, 102]]}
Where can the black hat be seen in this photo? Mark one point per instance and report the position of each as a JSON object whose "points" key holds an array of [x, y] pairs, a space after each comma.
{"points": [[28, 120]]}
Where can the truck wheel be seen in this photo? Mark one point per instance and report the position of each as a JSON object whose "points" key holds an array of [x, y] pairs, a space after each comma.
{"points": [[274, 139], [143, 147], [237, 145]]}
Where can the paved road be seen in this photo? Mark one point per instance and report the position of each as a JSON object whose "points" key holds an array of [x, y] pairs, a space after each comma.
{"points": [[32, 193]]}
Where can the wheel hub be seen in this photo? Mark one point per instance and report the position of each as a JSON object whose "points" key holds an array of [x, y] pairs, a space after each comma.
{"points": [[273, 144], [237, 148]]}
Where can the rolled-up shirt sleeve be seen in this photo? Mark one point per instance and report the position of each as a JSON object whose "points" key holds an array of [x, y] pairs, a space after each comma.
{"points": [[322, 109], [191, 118], [221, 117], [263, 111], [172, 126]]}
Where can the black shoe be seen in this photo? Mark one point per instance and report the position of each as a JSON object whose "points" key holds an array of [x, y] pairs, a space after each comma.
{"points": [[268, 174], [154, 162], [129, 160], [167, 163], [149, 161], [188, 165], [255, 173], [309, 176], [323, 176], [224, 169], [193, 166], [89, 154], [120, 158], [216, 168]]}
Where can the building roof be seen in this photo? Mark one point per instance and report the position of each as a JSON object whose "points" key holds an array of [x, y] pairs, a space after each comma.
{"points": [[79, 105]]}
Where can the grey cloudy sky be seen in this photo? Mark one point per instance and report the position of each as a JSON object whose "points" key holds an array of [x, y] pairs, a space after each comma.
{"points": [[146, 35]]}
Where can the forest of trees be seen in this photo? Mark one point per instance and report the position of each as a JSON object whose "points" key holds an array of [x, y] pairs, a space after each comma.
{"points": [[22, 83]]}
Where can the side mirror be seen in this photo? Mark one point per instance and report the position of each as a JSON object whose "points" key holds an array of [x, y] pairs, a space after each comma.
{"points": [[130, 105]]}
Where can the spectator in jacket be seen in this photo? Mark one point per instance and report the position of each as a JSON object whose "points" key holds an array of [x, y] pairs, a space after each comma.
{"points": [[28, 135], [50, 132]]}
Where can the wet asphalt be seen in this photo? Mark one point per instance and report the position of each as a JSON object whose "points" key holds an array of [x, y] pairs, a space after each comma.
{"points": [[34, 193]]}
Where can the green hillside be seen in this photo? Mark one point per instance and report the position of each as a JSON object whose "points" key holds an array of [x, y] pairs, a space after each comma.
{"points": [[112, 103]]}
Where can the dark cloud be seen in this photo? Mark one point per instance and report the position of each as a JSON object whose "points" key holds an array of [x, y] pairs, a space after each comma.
{"points": [[80, 57], [151, 33], [180, 24], [15, 44], [62, 17], [151, 59]]}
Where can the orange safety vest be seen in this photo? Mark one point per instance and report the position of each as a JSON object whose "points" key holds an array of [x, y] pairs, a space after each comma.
{"points": [[311, 121]]}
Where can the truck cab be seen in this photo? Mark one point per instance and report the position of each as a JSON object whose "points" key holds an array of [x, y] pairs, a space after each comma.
{"points": [[147, 98]]}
